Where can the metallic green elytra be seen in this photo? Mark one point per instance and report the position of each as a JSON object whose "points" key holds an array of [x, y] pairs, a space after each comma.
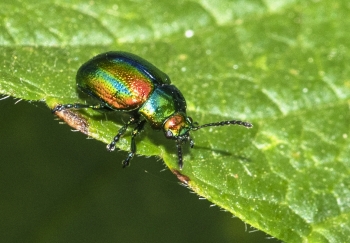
{"points": [[122, 81]]}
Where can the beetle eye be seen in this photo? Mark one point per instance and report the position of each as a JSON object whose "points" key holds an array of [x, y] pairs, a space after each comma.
{"points": [[169, 134]]}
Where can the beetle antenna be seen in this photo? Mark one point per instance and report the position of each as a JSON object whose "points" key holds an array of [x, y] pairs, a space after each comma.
{"points": [[224, 123]]}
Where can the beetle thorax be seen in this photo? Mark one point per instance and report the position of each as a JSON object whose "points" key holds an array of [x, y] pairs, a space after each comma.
{"points": [[164, 102]]}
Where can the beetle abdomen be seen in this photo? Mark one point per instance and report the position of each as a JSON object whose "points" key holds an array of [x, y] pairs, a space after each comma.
{"points": [[114, 79]]}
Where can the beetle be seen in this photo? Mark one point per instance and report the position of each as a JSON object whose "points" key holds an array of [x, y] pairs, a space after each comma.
{"points": [[122, 81]]}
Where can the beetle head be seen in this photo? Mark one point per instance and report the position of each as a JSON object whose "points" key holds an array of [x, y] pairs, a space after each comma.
{"points": [[178, 126]]}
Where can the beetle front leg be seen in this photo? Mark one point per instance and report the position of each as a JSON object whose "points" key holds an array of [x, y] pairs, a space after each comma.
{"points": [[132, 152], [179, 153]]}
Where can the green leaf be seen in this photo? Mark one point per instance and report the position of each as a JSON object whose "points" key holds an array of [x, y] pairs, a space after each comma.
{"points": [[282, 66]]}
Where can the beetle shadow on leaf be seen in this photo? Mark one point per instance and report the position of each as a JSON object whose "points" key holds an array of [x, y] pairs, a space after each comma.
{"points": [[225, 153]]}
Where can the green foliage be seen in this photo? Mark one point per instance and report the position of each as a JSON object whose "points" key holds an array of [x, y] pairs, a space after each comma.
{"points": [[282, 66]]}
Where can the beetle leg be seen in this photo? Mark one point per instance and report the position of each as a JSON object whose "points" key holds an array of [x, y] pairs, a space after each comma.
{"points": [[122, 130], [135, 132], [179, 153], [78, 106], [191, 142]]}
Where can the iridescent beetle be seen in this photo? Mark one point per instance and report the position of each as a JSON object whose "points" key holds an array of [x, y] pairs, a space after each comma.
{"points": [[122, 81]]}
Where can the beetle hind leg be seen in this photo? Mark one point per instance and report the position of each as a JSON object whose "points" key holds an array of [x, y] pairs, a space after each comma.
{"points": [[77, 106]]}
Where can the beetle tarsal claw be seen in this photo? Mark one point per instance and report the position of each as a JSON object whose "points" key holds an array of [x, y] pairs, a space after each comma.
{"points": [[110, 147]]}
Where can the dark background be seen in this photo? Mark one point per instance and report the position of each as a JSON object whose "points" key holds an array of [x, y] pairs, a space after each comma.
{"points": [[58, 186]]}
